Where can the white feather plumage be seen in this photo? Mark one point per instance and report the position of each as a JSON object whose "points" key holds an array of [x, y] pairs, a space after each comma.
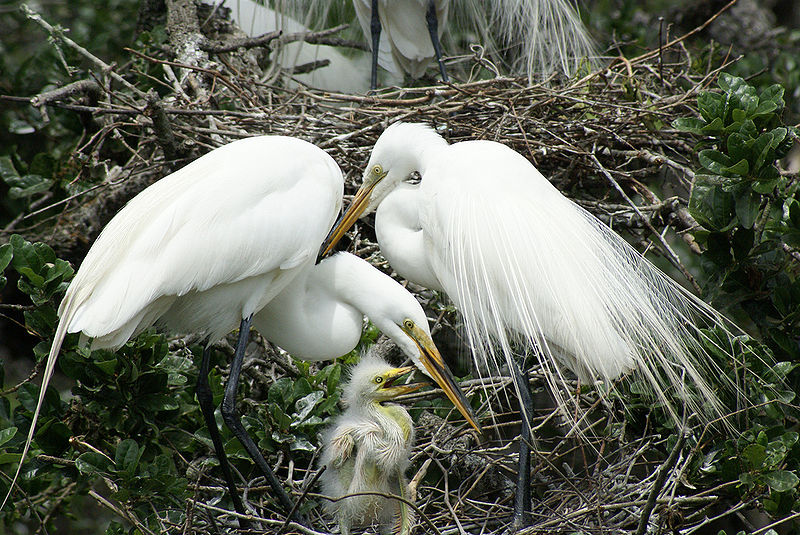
{"points": [[233, 234], [532, 272], [367, 450]]}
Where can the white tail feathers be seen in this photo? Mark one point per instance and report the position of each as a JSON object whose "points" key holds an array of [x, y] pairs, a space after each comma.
{"points": [[58, 339]]}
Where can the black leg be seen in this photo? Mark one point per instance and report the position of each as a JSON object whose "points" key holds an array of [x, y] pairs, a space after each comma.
{"points": [[522, 499], [433, 29], [206, 400], [375, 29], [233, 421]]}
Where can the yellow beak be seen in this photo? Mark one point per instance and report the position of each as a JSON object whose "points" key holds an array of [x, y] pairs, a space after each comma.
{"points": [[390, 391], [438, 370], [354, 211]]}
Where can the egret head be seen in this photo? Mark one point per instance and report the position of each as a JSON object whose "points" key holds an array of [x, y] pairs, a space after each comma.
{"points": [[402, 319], [373, 380], [397, 154]]}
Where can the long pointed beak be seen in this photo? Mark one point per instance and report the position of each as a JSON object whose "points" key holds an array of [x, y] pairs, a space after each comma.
{"points": [[354, 211], [390, 391], [438, 370]]}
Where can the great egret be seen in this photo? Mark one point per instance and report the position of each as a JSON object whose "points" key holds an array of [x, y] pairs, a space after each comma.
{"points": [[367, 449], [209, 246], [535, 37], [529, 270]]}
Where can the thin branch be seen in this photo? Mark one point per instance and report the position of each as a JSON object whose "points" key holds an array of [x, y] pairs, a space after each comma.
{"points": [[58, 33]]}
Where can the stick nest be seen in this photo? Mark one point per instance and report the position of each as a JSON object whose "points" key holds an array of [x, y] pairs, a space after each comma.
{"points": [[604, 140]]}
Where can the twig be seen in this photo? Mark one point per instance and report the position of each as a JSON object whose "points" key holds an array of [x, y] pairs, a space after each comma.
{"points": [[658, 484], [81, 86], [57, 33], [234, 44]]}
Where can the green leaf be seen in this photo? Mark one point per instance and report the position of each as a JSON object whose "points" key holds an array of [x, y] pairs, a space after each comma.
{"points": [[762, 147], [739, 168], [28, 186], [301, 388], [7, 434], [778, 135], [6, 254], [747, 209], [715, 127], [754, 454], [774, 94], [712, 206], [92, 462], [693, 125], [127, 456], [765, 187], [302, 444], [7, 170], [306, 404], [107, 366], [280, 392], [711, 105], [748, 129], [714, 161], [781, 480], [730, 83], [738, 146]]}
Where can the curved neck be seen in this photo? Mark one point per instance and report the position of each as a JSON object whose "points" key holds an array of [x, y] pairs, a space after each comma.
{"points": [[319, 315]]}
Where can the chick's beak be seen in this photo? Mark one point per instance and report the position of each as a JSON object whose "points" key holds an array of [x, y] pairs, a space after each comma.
{"points": [[436, 368], [389, 390], [354, 211]]}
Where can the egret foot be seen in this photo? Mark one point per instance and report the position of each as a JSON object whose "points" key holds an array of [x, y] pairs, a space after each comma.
{"points": [[433, 29], [375, 29], [522, 498], [205, 398], [234, 422]]}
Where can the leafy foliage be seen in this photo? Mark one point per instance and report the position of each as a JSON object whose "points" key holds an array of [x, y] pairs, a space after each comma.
{"points": [[750, 215], [749, 210], [134, 409]]}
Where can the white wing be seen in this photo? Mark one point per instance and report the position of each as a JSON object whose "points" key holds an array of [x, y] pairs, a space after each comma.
{"points": [[254, 209], [244, 210]]}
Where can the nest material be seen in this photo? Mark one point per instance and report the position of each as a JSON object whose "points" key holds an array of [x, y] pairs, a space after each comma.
{"points": [[604, 140]]}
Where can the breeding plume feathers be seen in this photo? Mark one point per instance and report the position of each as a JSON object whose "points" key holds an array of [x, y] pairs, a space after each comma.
{"points": [[532, 273], [531, 38]]}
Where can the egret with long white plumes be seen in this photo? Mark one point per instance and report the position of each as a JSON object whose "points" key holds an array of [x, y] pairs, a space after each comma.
{"points": [[231, 239], [531, 38], [530, 271]]}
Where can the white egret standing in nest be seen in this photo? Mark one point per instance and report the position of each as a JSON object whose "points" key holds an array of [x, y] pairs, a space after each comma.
{"points": [[232, 235], [367, 449], [529, 270], [534, 37]]}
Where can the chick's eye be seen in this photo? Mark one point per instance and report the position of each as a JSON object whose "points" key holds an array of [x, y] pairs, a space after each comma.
{"points": [[379, 379], [377, 170], [408, 324]]}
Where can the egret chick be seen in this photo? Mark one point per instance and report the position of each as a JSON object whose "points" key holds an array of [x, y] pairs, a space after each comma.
{"points": [[367, 449]]}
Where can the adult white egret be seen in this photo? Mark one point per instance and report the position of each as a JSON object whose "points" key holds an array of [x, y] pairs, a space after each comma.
{"points": [[209, 246], [534, 37], [529, 270], [367, 449]]}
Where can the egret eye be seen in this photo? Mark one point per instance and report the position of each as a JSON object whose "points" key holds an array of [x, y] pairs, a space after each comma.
{"points": [[379, 379], [377, 170], [408, 324]]}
